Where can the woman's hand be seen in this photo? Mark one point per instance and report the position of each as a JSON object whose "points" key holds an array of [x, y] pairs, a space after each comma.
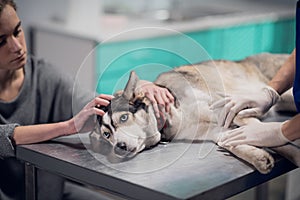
{"points": [[160, 97], [84, 120]]}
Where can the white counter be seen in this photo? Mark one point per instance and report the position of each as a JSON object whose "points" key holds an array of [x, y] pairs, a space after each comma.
{"points": [[111, 26]]}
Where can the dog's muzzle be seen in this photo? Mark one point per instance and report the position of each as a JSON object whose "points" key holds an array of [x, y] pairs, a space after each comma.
{"points": [[121, 149]]}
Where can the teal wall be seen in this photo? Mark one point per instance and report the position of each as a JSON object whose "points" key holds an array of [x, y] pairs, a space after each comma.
{"points": [[151, 56]]}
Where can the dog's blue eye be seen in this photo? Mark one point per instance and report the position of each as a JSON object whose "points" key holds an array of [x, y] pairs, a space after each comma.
{"points": [[106, 135], [124, 118]]}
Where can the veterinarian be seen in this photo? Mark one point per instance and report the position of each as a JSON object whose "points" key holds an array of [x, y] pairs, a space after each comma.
{"points": [[36, 105], [257, 104]]}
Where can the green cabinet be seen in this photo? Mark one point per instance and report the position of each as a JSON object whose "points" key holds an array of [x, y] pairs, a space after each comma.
{"points": [[151, 56], [240, 41]]}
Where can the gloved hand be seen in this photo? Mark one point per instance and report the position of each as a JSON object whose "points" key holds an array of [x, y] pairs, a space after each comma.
{"points": [[255, 104], [255, 133]]}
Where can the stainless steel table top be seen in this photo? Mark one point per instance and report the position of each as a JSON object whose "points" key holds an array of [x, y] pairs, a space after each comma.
{"points": [[178, 170]]}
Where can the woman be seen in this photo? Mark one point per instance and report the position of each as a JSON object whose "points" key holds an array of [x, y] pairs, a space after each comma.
{"points": [[36, 105]]}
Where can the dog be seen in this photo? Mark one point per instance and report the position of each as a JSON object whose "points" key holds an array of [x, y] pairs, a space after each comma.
{"points": [[130, 125]]}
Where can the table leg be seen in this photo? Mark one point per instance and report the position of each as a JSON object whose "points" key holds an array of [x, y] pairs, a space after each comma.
{"points": [[30, 182]]}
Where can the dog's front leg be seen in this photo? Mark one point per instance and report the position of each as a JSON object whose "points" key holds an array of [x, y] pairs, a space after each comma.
{"points": [[257, 157]]}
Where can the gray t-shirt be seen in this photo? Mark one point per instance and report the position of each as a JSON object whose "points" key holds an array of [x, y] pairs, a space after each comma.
{"points": [[45, 97]]}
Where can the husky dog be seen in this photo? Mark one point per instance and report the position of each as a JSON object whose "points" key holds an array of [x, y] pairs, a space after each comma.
{"points": [[130, 125]]}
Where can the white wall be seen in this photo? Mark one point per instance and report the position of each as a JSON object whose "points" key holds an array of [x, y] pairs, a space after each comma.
{"points": [[32, 11], [65, 51]]}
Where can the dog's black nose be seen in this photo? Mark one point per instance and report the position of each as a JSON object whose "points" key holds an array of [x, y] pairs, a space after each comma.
{"points": [[120, 148]]}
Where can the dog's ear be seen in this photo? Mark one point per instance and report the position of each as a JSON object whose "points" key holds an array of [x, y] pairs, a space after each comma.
{"points": [[118, 93], [105, 109], [128, 93]]}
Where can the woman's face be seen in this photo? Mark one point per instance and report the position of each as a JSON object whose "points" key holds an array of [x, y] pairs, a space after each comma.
{"points": [[12, 41]]}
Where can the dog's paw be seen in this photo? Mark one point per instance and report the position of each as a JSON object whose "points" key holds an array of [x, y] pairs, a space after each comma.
{"points": [[259, 158], [262, 161]]}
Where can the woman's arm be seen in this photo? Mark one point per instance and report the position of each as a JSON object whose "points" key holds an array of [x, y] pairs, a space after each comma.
{"points": [[284, 78], [291, 128], [42, 132]]}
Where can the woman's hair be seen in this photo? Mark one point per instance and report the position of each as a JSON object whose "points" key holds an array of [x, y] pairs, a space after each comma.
{"points": [[3, 3]]}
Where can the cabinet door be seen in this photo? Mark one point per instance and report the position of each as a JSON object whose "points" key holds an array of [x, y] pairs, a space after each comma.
{"points": [[210, 40], [239, 41], [268, 36], [148, 57]]}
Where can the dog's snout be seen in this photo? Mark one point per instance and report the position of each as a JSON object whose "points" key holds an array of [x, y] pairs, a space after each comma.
{"points": [[120, 148]]}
